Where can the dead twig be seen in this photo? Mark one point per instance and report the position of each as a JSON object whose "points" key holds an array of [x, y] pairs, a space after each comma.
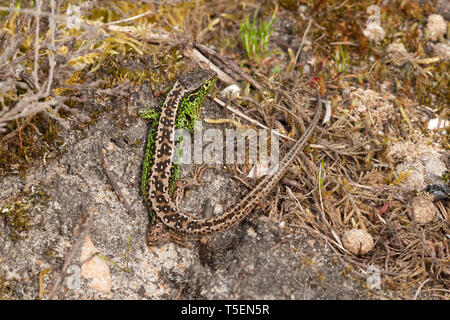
{"points": [[420, 288], [293, 183], [301, 45], [231, 67], [130, 18], [113, 181], [196, 56], [82, 231], [242, 115]]}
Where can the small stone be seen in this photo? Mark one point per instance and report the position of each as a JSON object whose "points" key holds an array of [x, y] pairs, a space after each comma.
{"points": [[94, 268], [398, 55], [357, 241], [436, 26], [231, 92], [442, 50], [374, 32], [303, 8], [110, 146], [423, 210], [251, 232]]}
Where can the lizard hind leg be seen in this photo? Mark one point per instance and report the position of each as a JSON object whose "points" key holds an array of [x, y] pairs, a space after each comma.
{"points": [[157, 235], [180, 187]]}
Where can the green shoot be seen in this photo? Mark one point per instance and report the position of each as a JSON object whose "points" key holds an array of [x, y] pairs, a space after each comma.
{"points": [[276, 69], [340, 58], [255, 38]]}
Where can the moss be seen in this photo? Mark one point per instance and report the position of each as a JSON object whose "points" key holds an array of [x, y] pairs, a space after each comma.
{"points": [[117, 59], [17, 212], [432, 91], [30, 139]]}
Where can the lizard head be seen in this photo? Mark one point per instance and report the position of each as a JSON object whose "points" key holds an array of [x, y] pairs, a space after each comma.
{"points": [[198, 80], [197, 84]]}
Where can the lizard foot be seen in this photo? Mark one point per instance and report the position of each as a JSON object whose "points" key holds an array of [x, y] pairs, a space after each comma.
{"points": [[157, 235], [180, 187]]}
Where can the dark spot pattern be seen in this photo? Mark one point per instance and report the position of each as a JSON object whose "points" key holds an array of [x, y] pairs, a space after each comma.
{"points": [[160, 187]]}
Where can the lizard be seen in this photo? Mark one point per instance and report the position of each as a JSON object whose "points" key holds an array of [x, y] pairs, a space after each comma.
{"points": [[189, 91], [186, 118]]}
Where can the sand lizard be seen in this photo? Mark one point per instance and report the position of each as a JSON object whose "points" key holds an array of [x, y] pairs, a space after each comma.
{"points": [[189, 91]]}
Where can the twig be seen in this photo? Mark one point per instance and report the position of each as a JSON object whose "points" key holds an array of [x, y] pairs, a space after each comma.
{"points": [[229, 64], [83, 230], [113, 181], [420, 288], [347, 43], [129, 19], [293, 183], [274, 206], [242, 115], [51, 56], [36, 45], [199, 58], [301, 45]]}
